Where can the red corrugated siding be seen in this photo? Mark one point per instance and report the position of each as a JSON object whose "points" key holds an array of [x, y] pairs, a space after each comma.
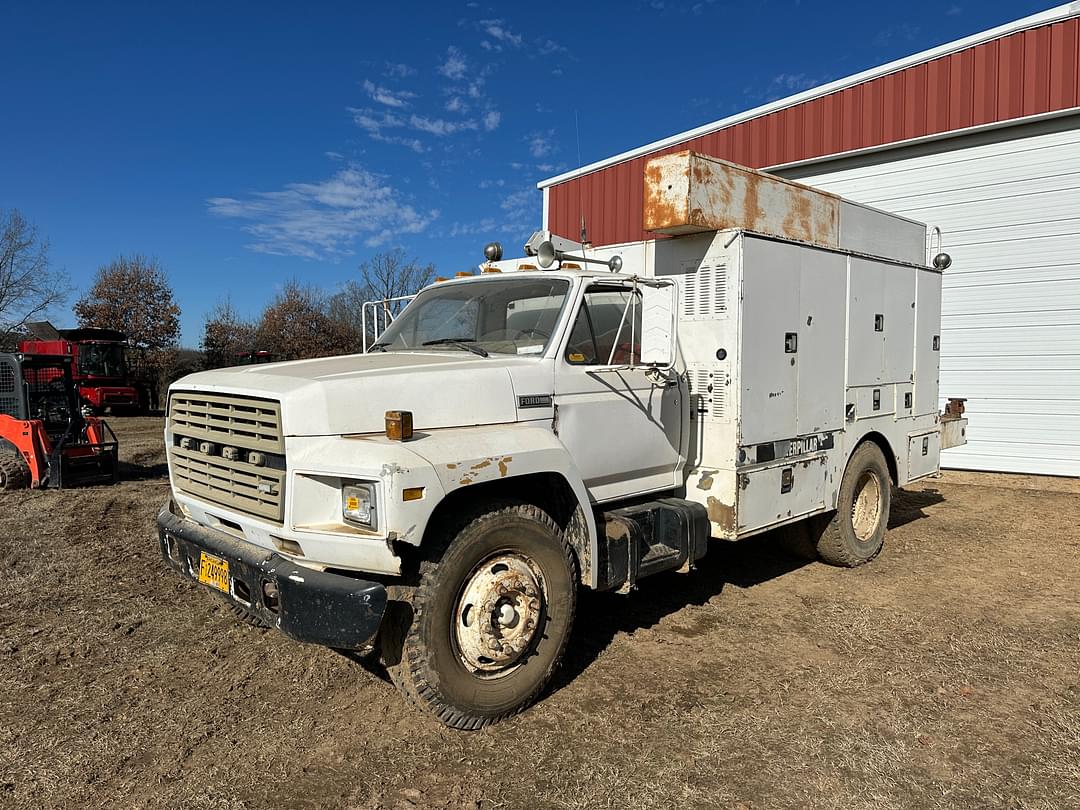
{"points": [[1025, 73]]}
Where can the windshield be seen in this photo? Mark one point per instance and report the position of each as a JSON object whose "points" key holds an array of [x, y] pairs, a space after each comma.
{"points": [[101, 359], [496, 316]]}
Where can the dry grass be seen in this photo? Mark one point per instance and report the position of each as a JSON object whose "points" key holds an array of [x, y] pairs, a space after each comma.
{"points": [[943, 675]]}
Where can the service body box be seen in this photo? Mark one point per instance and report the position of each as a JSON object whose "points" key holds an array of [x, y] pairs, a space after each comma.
{"points": [[794, 353]]}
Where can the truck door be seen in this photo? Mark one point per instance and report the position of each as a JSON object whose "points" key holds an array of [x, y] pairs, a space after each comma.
{"points": [[623, 429]]}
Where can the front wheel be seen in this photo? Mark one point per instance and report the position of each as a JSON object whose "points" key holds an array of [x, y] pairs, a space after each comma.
{"points": [[855, 533], [490, 618], [14, 472]]}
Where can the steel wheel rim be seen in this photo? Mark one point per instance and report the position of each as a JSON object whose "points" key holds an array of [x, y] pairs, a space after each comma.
{"points": [[498, 614], [866, 506]]}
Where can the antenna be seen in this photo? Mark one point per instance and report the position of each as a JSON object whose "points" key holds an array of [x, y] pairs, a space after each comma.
{"points": [[580, 203]]}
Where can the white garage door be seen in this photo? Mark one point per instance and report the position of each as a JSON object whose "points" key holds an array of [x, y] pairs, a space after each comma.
{"points": [[1009, 204]]}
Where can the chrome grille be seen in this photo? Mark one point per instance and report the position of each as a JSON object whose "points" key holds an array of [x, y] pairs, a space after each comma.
{"points": [[214, 422]]}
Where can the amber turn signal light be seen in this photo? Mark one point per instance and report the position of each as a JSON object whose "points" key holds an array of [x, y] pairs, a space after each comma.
{"points": [[399, 425]]}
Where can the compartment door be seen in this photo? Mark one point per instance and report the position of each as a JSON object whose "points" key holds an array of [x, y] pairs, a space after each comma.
{"points": [[927, 341], [924, 454], [866, 343], [822, 307], [769, 366]]}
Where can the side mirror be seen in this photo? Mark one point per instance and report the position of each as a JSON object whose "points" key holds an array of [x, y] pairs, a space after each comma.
{"points": [[658, 324]]}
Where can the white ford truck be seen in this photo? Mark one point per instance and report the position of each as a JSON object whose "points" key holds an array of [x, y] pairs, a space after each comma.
{"points": [[576, 418]]}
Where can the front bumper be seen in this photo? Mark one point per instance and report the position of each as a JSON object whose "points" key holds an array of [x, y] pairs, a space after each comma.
{"points": [[307, 605]]}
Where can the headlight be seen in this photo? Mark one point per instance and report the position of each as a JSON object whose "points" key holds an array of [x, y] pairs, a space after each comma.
{"points": [[358, 504]]}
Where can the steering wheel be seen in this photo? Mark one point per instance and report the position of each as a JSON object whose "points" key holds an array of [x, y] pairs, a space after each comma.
{"points": [[533, 332]]}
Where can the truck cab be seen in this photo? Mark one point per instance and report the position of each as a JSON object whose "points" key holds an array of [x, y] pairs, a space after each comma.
{"points": [[574, 418]]}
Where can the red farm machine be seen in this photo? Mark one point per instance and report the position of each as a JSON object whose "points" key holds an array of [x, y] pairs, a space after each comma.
{"points": [[101, 366], [45, 438]]}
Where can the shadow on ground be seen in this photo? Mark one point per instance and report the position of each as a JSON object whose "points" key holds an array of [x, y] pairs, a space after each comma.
{"points": [[740, 564], [602, 616], [908, 506]]}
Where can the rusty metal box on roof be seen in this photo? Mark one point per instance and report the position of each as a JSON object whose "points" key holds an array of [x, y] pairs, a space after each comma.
{"points": [[687, 192]]}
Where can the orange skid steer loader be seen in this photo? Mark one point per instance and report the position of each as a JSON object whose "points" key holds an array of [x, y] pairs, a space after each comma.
{"points": [[45, 439]]}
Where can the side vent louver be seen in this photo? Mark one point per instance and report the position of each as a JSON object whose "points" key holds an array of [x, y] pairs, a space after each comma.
{"points": [[708, 391], [704, 290]]}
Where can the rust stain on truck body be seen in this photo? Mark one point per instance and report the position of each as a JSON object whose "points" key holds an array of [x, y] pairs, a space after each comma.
{"points": [[688, 192]]}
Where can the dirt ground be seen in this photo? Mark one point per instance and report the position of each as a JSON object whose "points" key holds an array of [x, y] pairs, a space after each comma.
{"points": [[944, 674]]}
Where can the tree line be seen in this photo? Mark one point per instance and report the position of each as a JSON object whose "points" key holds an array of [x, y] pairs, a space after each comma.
{"points": [[133, 295], [303, 321]]}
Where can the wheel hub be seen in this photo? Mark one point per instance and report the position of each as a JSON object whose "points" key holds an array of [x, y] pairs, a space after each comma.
{"points": [[866, 506], [499, 613]]}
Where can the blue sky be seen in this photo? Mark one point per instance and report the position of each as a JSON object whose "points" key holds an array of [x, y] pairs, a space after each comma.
{"points": [[244, 144]]}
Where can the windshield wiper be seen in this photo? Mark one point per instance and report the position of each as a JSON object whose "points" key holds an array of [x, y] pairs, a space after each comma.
{"points": [[461, 343]]}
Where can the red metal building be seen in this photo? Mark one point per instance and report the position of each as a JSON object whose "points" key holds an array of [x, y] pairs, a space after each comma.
{"points": [[1022, 70], [980, 137]]}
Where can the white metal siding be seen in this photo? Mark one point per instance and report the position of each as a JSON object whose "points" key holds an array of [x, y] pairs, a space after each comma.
{"points": [[1009, 204]]}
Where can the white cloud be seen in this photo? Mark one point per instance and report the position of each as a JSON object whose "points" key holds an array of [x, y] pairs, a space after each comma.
{"points": [[397, 70], [455, 67], [374, 122], [389, 98], [518, 199], [456, 105], [546, 47], [540, 143], [522, 211], [954, 11], [486, 225], [323, 220], [497, 30], [439, 126], [492, 119], [334, 155], [795, 81]]}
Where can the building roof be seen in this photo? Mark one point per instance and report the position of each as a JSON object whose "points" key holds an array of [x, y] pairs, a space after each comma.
{"points": [[1043, 18]]}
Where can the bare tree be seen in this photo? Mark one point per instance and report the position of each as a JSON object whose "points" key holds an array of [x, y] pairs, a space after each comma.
{"points": [[383, 277], [225, 336], [28, 286], [391, 275]]}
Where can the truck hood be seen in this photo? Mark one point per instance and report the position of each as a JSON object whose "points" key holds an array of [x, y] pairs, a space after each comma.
{"points": [[338, 395]]}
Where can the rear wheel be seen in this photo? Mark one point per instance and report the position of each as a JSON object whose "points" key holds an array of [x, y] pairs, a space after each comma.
{"points": [[14, 472], [855, 533], [489, 619]]}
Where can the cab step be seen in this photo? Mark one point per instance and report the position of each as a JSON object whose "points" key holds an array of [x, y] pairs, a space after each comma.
{"points": [[644, 539]]}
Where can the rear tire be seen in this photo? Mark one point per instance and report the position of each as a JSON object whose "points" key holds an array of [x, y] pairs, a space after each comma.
{"points": [[489, 619], [855, 532], [14, 472]]}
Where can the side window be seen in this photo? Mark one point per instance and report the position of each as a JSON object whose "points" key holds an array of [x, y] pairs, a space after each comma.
{"points": [[601, 327]]}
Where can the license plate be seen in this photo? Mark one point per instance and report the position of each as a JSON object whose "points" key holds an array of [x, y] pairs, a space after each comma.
{"points": [[214, 571]]}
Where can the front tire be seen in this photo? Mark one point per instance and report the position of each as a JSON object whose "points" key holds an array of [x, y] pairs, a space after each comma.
{"points": [[490, 617], [14, 472], [855, 533]]}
